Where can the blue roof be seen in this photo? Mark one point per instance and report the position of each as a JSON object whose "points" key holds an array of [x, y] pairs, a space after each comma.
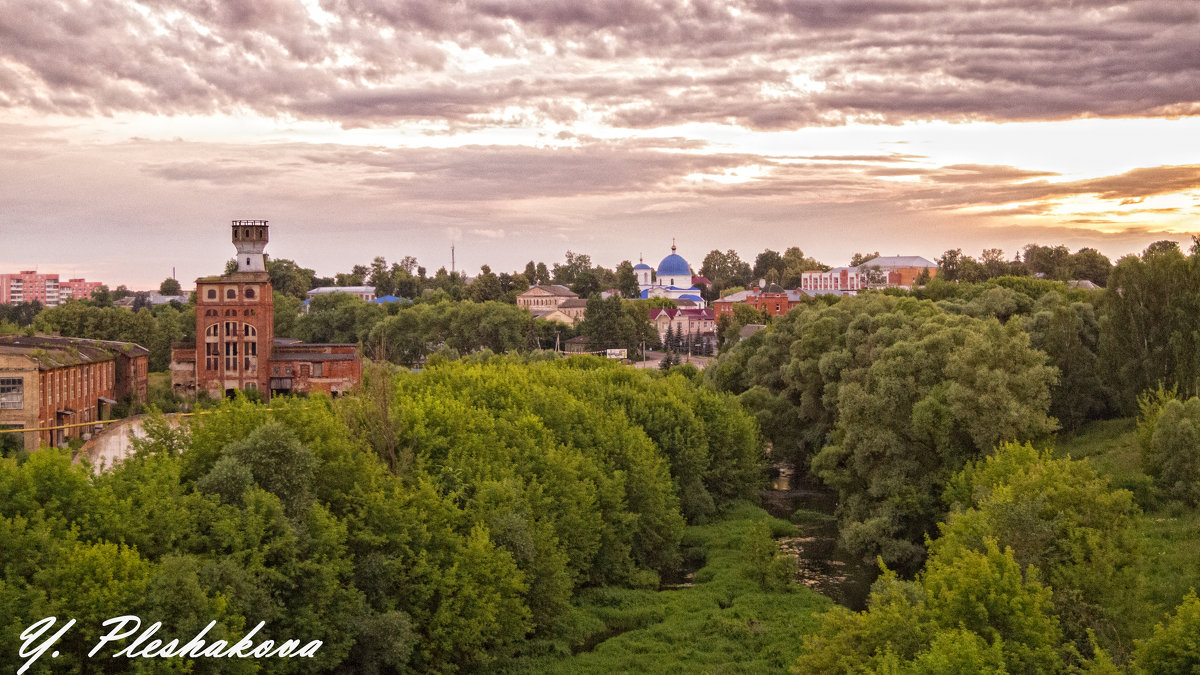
{"points": [[646, 293], [389, 298], [693, 297], [674, 266], [641, 266]]}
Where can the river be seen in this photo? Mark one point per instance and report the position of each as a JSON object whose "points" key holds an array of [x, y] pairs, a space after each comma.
{"points": [[824, 565]]}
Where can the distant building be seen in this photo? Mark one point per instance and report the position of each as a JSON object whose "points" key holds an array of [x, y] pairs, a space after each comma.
{"points": [[79, 289], [673, 279], [771, 299], [151, 299], [749, 330], [578, 345], [29, 286], [364, 293], [48, 381], [235, 345], [698, 322], [885, 271], [545, 297]]}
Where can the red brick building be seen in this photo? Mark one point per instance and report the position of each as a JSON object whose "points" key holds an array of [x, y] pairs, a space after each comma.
{"points": [[235, 319], [306, 368], [772, 299], [48, 381], [235, 336]]}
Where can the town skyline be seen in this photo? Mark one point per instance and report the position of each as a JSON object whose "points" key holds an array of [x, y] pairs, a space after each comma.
{"points": [[136, 131]]}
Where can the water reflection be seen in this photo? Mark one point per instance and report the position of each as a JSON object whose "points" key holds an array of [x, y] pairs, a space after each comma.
{"points": [[824, 565]]}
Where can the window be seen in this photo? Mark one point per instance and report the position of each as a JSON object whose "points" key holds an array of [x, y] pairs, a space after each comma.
{"points": [[249, 291], [212, 331], [231, 294], [231, 329], [12, 393], [249, 330], [231, 356], [212, 294], [252, 348], [318, 369]]}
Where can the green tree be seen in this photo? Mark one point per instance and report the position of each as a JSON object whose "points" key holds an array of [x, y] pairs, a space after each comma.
{"points": [[1149, 332], [627, 282], [862, 258], [1171, 448], [1173, 647], [170, 286], [486, 286], [1060, 517]]}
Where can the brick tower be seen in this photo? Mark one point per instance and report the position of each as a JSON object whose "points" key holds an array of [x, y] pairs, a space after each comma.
{"points": [[235, 319]]}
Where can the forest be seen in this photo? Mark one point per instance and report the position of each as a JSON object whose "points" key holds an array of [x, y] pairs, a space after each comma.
{"points": [[1017, 457]]}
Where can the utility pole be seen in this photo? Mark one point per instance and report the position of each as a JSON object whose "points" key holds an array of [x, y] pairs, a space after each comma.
{"points": [[451, 258]]}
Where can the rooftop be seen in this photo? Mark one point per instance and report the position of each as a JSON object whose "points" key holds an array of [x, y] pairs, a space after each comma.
{"points": [[51, 351]]}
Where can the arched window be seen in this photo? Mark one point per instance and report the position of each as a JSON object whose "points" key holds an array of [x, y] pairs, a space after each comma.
{"points": [[230, 294], [212, 330], [249, 330], [249, 291]]}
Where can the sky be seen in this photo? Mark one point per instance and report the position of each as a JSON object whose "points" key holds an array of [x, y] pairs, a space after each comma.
{"points": [[132, 133]]}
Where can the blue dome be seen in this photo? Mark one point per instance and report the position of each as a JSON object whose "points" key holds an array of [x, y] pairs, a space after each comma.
{"points": [[674, 266], [641, 266]]}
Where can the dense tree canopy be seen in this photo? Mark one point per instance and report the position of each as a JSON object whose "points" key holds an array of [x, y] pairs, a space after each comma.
{"points": [[887, 398], [522, 483]]}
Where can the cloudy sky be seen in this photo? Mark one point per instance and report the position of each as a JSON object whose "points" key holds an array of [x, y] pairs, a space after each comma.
{"points": [[134, 131]]}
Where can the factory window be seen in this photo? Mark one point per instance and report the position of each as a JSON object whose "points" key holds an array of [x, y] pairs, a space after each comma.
{"points": [[211, 331], [231, 294], [318, 369], [250, 293], [12, 393], [252, 348], [249, 330], [231, 329], [212, 294]]}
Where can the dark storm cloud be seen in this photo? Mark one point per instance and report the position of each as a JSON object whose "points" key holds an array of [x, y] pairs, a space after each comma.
{"points": [[764, 64]]}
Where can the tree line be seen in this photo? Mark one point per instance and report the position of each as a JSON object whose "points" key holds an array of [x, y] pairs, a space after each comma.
{"points": [[432, 522]]}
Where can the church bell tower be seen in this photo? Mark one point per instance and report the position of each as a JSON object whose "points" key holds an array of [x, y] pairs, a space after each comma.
{"points": [[250, 239]]}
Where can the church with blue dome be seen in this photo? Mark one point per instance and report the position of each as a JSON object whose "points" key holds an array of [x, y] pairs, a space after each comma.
{"points": [[672, 279]]}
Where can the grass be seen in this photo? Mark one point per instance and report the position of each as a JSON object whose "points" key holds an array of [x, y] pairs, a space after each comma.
{"points": [[725, 623], [1169, 532]]}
